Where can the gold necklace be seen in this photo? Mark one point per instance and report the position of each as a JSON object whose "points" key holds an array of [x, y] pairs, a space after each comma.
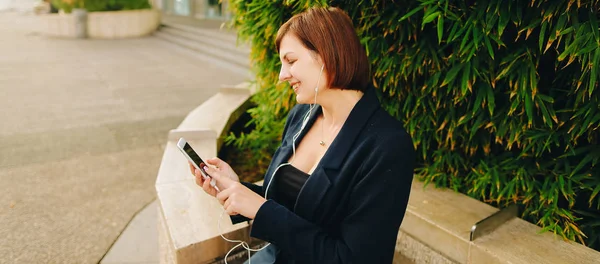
{"points": [[322, 143]]}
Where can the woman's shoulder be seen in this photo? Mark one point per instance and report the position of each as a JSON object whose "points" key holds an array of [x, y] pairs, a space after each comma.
{"points": [[388, 132], [297, 111]]}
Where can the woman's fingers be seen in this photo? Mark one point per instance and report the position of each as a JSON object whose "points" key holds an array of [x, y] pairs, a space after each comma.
{"points": [[222, 182], [223, 195], [229, 207], [199, 181], [198, 176], [209, 188], [219, 163], [192, 168], [226, 204]]}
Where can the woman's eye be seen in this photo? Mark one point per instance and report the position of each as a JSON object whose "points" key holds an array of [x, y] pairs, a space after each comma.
{"points": [[291, 62]]}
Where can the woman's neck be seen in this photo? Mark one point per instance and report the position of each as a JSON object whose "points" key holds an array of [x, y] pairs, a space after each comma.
{"points": [[337, 105]]}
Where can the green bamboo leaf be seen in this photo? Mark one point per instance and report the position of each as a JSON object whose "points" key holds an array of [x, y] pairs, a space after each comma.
{"points": [[546, 98], [465, 39], [503, 21], [542, 34], [491, 100], [465, 79], [455, 27], [440, 28], [410, 13], [594, 194], [592, 45], [478, 100], [476, 36], [560, 24], [451, 75], [545, 113], [561, 184], [587, 122], [565, 31], [529, 109], [594, 27], [430, 17], [498, 40], [462, 28], [594, 72], [476, 126], [473, 48], [489, 46], [586, 159], [567, 51]]}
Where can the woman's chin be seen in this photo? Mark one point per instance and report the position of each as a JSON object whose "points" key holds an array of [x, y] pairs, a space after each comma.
{"points": [[302, 99]]}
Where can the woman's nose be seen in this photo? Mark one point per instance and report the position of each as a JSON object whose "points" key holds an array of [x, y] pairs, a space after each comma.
{"points": [[284, 74]]}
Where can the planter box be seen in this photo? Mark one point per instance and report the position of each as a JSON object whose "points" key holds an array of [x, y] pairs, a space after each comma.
{"points": [[103, 25], [122, 24], [58, 25]]}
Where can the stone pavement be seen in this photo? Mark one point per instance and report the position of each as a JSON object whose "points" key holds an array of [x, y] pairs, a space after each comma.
{"points": [[83, 123]]}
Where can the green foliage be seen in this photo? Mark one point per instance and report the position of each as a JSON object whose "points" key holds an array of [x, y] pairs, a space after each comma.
{"points": [[67, 5], [115, 5], [101, 5], [501, 97]]}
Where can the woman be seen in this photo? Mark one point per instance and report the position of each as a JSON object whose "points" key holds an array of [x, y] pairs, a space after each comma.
{"points": [[338, 185]]}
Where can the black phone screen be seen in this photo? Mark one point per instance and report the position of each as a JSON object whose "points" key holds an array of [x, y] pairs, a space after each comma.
{"points": [[194, 156]]}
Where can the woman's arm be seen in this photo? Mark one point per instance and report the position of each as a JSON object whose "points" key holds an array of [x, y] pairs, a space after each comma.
{"points": [[235, 219], [369, 231]]}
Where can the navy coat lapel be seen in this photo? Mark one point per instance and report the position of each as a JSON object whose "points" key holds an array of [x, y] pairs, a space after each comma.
{"points": [[326, 172]]}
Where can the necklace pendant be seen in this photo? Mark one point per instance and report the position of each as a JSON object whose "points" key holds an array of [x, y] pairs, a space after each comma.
{"points": [[322, 143]]}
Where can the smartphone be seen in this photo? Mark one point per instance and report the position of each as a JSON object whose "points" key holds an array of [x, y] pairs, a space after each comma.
{"points": [[195, 159]]}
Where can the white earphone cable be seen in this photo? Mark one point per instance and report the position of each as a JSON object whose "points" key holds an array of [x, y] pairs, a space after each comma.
{"points": [[244, 244]]}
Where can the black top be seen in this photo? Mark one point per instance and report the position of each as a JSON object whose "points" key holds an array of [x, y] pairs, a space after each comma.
{"points": [[287, 184]]}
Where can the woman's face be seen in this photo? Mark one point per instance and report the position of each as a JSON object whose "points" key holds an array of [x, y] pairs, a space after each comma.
{"points": [[301, 68]]}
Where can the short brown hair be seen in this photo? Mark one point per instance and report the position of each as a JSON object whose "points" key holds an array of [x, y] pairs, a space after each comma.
{"points": [[329, 33]]}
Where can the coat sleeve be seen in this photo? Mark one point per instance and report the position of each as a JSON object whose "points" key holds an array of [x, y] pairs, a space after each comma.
{"points": [[368, 232], [236, 219]]}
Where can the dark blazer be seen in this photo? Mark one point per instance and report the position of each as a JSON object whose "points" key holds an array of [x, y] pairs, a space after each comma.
{"points": [[351, 207]]}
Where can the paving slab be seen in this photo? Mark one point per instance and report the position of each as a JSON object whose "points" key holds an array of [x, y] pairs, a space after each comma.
{"points": [[83, 128], [130, 248]]}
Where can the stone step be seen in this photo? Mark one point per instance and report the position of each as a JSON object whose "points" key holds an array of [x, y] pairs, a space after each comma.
{"points": [[208, 31], [208, 37], [209, 42]]}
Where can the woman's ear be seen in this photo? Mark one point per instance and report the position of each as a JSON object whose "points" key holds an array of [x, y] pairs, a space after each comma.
{"points": [[318, 59]]}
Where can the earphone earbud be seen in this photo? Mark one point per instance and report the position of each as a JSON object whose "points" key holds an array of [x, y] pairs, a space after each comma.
{"points": [[317, 88]]}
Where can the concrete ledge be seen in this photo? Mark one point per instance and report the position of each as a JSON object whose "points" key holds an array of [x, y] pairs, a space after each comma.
{"points": [[189, 218], [103, 25], [437, 226], [58, 25], [442, 219], [122, 24], [410, 250], [519, 241], [220, 111]]}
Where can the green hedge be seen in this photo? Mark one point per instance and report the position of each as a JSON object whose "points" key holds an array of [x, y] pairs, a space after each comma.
{"points": [[501, 97], [101, 5]]}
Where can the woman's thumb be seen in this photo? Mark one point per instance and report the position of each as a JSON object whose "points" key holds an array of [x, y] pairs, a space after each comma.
{"points": [[216, 175]]}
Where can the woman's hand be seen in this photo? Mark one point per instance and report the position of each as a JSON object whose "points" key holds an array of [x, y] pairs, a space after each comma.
{"points": [[224, 168], [221, 166], [235, 197]]}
